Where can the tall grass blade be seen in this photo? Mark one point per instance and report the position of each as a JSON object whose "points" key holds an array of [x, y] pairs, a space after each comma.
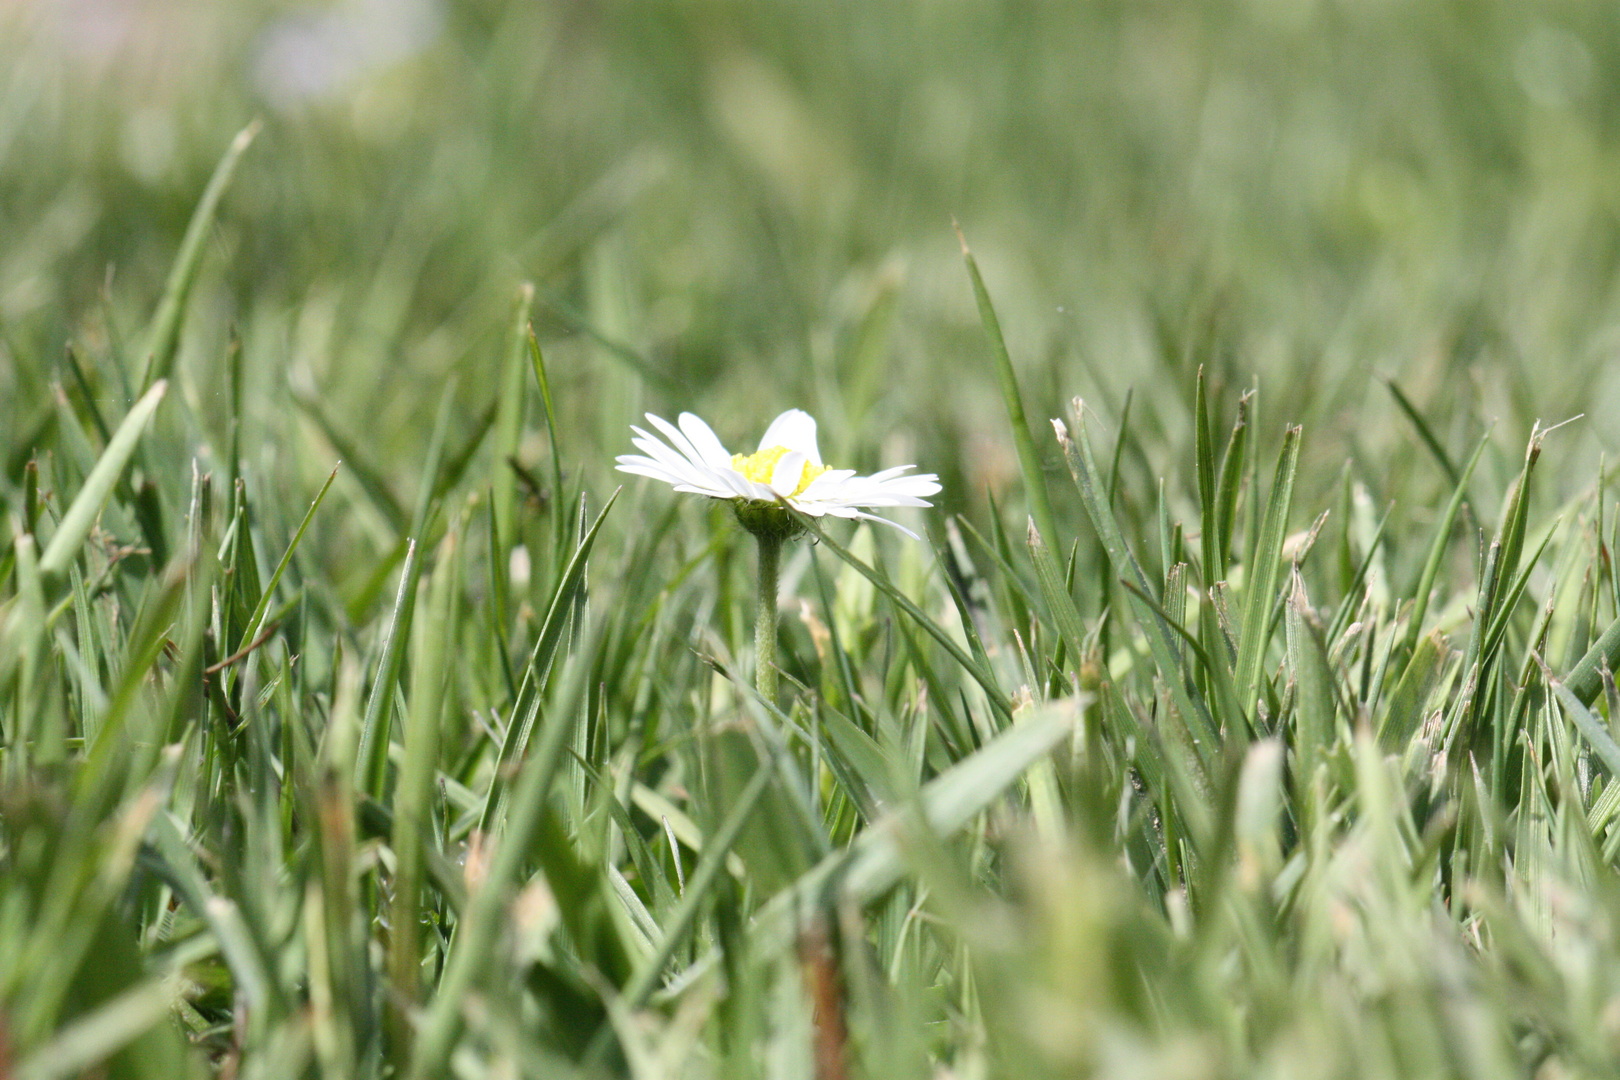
{"points": [[509, 418], [1029, 460], [1260, 587], [162, 339]]}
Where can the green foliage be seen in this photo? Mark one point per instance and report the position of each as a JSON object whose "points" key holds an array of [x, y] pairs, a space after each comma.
{"points": [[1282, 742]]}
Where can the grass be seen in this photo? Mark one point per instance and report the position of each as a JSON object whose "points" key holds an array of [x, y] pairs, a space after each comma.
{"points": [[1250, 714]]}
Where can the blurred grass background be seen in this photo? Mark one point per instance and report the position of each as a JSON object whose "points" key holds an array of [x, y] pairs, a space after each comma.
{"points": [[738, 209], [756, 204]]}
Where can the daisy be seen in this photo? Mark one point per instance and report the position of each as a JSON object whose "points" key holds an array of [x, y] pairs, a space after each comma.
{"points": [[787, 468]]}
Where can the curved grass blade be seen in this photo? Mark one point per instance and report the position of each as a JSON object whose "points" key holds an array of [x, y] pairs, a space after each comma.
{"points": [[92, 1038], [1424, 433], [1595, 731], [256, 621], [412, 832], [163, 333], [537, 359], [1585, 679], [876, 860], [81, 513], [1230, 487], [980, 675], [1071, 632], [1029, 460]]}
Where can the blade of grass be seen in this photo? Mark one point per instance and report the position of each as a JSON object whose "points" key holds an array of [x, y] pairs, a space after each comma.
{"points": [[371, 755], [413, 797], [1204, 452], [163, 333], [1233, 463], [537, 360], [1029, 460], [1161, 639], [993, 692], [509, 419], [1453, 477], [256, 621], [92, 1038], [518, 732], [477, 932], [1260, 586], [82, 512]]}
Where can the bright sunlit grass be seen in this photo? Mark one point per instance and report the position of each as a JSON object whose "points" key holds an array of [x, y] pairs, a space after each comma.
{"points": [[1243, 707]]}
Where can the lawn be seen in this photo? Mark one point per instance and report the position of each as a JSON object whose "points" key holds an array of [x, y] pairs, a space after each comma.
{"points": [[1241, 706]]}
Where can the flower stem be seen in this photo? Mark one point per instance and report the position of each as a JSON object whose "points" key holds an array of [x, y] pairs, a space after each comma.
{"points": [[770, 557]]}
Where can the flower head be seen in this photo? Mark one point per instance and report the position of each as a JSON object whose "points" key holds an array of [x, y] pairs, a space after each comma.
{"points": [[787, 467]]}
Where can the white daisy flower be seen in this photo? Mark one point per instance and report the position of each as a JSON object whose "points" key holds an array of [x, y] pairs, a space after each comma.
{"points": [[787, 467]]}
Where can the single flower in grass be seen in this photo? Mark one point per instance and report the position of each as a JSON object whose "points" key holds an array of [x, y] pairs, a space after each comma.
{"points": [[787, 468]]}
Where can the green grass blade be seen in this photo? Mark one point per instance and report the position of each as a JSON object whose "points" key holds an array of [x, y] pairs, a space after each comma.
{"points": [[256, 621], [525, 713], [876, 861], [509, 418], [1204, 453], [1233, 464], [538, 361], [1585, 679], [1260, 587], [1029, 460], [1591, 727], [163, 333], [477, 932], [1316, 700], [98, 486], [698, 884], [1453, 477], [371, 756], [1071, 632], [1161, 639], [412, 803], [92, 1038], [996, 696]]}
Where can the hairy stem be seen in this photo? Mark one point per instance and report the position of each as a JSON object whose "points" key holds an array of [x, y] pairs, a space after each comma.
{"points": [[770, 557]]}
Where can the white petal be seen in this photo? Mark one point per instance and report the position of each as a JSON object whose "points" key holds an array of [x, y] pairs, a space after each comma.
{"points": [[676, 439], [668, 458], [921, 484], [641, 466], [868, 499], [788, 472], [735, 483], [705, 441], [886, 521], [796, 430], [760, 492], [651, 469]]}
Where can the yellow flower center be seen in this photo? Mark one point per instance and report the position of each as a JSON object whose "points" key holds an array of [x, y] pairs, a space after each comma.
{"points": [[759, 467]]}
